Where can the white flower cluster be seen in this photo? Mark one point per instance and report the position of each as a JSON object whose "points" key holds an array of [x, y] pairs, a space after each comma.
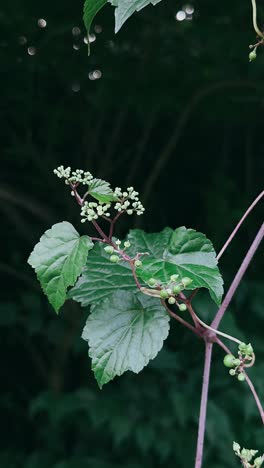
{"points": [[128, 201], [92, 210], [73, 177], [246, 456]]}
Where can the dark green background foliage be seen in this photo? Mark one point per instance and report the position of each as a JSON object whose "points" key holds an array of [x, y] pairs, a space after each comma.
{"points": [[178, 113]]}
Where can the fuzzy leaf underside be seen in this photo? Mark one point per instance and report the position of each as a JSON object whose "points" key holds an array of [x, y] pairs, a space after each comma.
{"points": [[58, 260], [185, 252], [124, 332], [100, 278], [125, 8]]}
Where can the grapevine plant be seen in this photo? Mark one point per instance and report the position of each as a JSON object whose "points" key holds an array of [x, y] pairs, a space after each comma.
{"points": [[135, 286]]}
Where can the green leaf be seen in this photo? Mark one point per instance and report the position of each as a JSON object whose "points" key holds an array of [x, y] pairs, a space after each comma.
{"points": [[101, 278], [125, 8], [185, 252], [58, 259], [101, 191], [90, 10], [124, 332]]}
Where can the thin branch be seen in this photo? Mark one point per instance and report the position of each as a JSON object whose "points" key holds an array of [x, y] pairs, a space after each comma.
{"points": [[113, 221], [100, 231], [255, 202], [203, 406], [181, 320], [255, 24], [255, 244]]}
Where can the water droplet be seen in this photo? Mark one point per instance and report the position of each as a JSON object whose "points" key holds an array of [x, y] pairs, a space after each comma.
{"points": [[180, 15], [32, 50], [92, 38], [76, 31], [98, 28], [189, 9], [97, 74], [42, 23]]}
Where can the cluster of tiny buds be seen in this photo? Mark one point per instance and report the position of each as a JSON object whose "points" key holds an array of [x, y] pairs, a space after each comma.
{"points": [[246, 358], [73, 177], [115, 252], [171, 290], [128, 201], [92, 210], [246, 456]]}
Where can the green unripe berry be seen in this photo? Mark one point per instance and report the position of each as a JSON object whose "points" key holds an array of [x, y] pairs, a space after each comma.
{"points": [[182, 307], [152, 282], [253, 55], [232, 372], [164, 294], [127, 244], [229, 360], [241, 377], [171, 300], [109, 249], [176, 289], [186, 281], [138, 263], [114, 259], [174, 277], [237, 362], [242, 347]]}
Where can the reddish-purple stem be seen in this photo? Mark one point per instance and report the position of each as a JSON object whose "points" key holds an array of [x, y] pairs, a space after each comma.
{"points": [[113, 221], [181, 320], [203, 406], [76, 194], [255, 202], [238, 277]]}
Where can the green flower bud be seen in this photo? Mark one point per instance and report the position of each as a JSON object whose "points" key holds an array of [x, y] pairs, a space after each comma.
{"points": [[237, 362], [171, 300], [242, 347], [241, 377], [249, 350], [229, 360], [245, 453], [152, 282], [109, 249], [253, 55], [176, 289], [232, 372], [236, 447], [186, 281], [127, 244], [258, 462], [114, 259], [164, 294], [138, 263], [182, 307], [174, 277]]}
